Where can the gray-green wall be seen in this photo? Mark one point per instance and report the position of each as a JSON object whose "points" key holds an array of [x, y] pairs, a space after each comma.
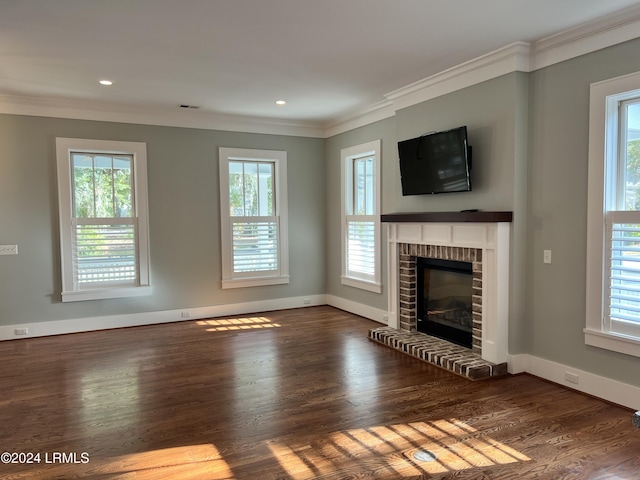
{"points": [[184, 218]]}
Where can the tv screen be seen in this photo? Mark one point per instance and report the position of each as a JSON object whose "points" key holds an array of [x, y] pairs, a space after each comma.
{"points": [[436, 162]]}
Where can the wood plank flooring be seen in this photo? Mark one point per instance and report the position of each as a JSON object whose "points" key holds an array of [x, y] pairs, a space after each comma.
{"points": [[296, 394]]}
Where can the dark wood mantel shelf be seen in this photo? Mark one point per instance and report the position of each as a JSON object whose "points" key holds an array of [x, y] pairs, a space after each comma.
{"points": [[426, 217]]}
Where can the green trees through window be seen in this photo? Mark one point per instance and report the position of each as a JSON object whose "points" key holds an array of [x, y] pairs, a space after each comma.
{"points": [[630, 149], [251, 189], [103, 185]]}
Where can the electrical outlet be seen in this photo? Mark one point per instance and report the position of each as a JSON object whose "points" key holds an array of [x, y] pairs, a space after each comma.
{"points": [[571, 377], [21, 331], [547, 256], [307, 301], [186, 314], [8, 249]]}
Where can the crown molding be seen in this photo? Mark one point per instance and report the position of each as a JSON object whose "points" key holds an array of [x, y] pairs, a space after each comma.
{"points": [[169, 117], [373, 113], [514, 57], [607, 31]]}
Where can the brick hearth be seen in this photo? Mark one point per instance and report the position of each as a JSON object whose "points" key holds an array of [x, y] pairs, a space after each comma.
{"points": [[438, 352]]}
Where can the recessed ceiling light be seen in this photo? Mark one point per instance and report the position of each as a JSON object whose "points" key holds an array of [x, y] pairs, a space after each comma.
{"points": [[281, 102], [105, 82]]}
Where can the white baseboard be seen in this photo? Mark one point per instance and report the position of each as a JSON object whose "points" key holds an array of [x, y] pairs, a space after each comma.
{"points": [[589, 383], [356, 308], [87, 324], [518, 363]]}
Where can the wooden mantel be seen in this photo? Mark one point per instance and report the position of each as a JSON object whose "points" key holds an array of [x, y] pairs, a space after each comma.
{"points": [[430, 217]]}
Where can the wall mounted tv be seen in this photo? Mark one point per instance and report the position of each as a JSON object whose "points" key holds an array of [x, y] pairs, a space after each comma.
{"points": [[438, 162]]}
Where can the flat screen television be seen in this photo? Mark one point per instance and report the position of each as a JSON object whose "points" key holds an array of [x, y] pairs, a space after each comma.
{"points": [[438, 162]]}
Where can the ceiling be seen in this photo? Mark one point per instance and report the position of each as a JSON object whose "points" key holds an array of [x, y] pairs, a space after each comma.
{"points": [[326, 58]]}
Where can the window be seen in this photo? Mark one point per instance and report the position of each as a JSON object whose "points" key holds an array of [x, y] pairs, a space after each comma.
{"points": [[253, 211], [361, 216], [613, 243], [104, 238]]}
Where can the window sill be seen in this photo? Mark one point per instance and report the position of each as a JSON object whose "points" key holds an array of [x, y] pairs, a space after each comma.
{"points": [[362, 284], [614, 342], [105, 293], [254, 282]]}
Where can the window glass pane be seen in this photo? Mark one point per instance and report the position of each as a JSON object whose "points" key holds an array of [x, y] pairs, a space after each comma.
{"points": [[123, 186], [363, 179], [250, 189], [83, 185], [631, 151], [236, 189], [102, 186], [103, 180], [358, 187], [265, 189], [369, 181]]}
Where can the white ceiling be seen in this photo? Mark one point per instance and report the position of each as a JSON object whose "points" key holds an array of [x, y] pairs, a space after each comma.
{"points": [[326, 58]]}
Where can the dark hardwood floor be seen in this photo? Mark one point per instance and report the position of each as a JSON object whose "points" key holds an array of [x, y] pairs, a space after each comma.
{"points": [[296, 394]]}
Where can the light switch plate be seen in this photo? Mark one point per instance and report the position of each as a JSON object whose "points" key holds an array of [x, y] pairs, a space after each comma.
{"points": [[8, 249]]}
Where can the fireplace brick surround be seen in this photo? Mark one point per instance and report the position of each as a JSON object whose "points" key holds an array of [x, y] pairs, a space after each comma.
{"points": [[481, 238]]}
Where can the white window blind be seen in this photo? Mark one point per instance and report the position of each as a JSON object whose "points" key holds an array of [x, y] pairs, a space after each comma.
{"points": [[105, 253], [623, 264], [255, 244], [361, 248]]}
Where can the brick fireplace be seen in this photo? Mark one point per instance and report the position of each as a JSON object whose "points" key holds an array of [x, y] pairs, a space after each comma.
{"points": [[481, 238]]}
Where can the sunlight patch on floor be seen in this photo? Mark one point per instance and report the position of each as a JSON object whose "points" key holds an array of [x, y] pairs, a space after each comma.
{"points": [[245, 323], [397, 450], [187, 462]]}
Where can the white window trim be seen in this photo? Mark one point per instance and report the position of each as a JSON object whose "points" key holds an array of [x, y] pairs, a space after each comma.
{"points": [[64, 147], [229, 279], [347, 155], [603, 113]]}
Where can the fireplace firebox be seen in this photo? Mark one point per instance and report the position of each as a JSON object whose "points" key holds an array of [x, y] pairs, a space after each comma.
{"points": [[445, 299]]}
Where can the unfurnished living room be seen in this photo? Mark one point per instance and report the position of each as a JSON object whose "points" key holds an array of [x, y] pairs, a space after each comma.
{"points": [[295, 239]]}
